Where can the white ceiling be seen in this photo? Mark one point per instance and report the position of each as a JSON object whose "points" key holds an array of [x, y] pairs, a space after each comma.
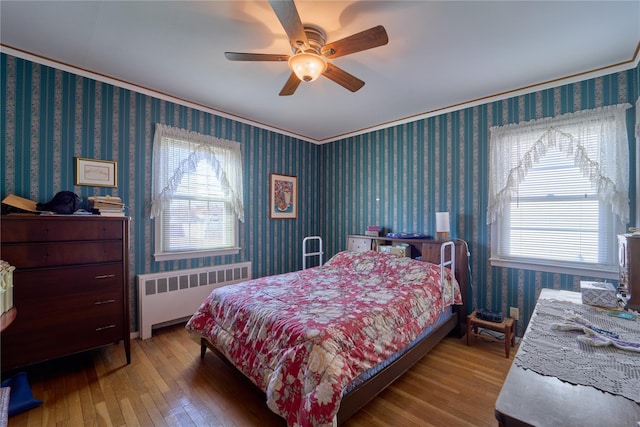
{"points": [[440, 55]]}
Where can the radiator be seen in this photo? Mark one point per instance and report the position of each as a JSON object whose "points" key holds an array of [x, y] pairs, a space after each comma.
{"points": [[173, 296]]}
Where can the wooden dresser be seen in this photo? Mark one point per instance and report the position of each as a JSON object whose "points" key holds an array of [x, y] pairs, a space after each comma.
{"points": [[70, 285]]}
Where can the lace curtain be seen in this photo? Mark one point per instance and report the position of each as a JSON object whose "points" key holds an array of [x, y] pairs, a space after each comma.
{"points": [[224, 157], [514, 149]]}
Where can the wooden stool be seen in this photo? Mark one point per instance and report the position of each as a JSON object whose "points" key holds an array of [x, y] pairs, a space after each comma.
{"points": [[507, 326]]}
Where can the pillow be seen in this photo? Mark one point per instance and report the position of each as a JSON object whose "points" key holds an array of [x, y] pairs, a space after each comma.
{"points": [[21, 399]]}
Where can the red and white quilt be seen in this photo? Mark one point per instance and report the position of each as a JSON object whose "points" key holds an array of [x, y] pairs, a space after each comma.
{"points": [[303, 336]]}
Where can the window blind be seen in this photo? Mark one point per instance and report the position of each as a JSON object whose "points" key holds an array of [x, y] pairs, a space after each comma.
{"points": [[199, 216], [557, 216]]}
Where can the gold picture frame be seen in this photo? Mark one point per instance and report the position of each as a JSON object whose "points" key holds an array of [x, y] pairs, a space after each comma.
{"points": [[96, 173], [283, 196]]}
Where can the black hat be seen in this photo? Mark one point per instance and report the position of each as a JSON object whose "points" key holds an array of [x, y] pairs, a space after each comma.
{"points": [[64, 202]]}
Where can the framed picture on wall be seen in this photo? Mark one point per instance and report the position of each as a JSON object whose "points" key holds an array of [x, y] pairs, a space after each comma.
{"points": [[96, 173], [283, 196]]}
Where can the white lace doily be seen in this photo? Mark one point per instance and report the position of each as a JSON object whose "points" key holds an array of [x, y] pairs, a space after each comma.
{"points": [[559, 354]]}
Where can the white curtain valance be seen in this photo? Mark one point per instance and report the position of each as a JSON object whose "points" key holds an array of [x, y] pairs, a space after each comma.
{"points": [[224, 157], [515, 148]]}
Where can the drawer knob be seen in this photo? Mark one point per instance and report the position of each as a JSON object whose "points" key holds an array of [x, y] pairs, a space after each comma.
{"points": [[105, 276], [102, 328], [109, 301]]}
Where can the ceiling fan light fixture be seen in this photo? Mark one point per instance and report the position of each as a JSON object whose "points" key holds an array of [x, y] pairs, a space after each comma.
{"points": [[307, 66]]}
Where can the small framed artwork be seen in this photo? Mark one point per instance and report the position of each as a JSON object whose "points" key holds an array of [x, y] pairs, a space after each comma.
{"points": [[283, 200], [97, 173]]}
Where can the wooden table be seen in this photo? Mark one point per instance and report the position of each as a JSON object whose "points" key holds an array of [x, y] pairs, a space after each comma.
{"points": [[528, 398], [507, 327]]}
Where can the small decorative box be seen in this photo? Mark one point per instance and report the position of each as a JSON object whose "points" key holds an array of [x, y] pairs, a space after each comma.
{"points": [[601, 294], [400, 250], [6, 286]]}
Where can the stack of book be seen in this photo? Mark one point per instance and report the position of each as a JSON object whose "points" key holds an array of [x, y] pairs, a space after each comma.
{"points": [[106, 205], [373, 230]]}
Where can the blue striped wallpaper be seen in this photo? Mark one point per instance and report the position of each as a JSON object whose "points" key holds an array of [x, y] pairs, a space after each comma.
{"points": [[50, 116], [397, 177], [400, 176]]}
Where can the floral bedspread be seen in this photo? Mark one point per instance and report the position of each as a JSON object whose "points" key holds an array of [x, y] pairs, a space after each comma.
{"points": [[303, 336]]}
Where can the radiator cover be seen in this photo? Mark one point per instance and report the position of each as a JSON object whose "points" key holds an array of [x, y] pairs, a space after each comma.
{"points": [[173, 296]]}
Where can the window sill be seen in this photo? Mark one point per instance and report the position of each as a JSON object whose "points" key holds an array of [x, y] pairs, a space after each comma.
{"points": [[555, 268], [170, 256]]}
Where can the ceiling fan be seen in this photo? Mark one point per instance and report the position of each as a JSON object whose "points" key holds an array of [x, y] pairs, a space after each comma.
{"points": [[310, 51]]}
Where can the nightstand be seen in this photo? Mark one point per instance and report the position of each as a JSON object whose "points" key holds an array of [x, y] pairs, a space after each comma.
{"points": [[507, 327]]}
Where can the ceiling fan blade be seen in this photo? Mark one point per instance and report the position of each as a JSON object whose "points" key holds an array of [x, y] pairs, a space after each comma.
{"points": [[367, 39], [343, 78], [290, 19], [290, 86], [237, 56]]}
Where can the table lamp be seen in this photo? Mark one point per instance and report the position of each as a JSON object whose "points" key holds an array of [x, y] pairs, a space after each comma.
{"points": [[442, 225]]}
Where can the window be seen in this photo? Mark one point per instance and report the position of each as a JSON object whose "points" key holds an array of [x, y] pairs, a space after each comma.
{"points": [[558, 192], [197, 194]]}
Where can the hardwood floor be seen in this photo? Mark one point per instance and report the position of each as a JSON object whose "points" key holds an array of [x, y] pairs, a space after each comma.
{"points": [[167, 384]]}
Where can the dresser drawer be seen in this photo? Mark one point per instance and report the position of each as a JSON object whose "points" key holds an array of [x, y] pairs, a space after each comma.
{"points": [[84, 230], [15, 230], [56, 336], [75, 312], [63, 229], [61, 289], [79, 322], [23, 255]]}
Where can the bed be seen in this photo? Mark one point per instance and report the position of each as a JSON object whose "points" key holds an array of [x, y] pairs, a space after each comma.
{"points": [[322, 342]]}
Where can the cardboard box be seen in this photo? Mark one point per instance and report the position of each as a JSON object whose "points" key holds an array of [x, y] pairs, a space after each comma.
{"points": [[601, 294], [396, 250]]}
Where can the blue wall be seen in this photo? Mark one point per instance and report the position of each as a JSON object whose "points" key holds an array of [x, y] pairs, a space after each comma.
{"points": [[400, 176], [396, 177]]}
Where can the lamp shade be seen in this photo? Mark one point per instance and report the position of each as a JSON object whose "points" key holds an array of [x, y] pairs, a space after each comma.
{"points": [[442, 222], [307, 66]]}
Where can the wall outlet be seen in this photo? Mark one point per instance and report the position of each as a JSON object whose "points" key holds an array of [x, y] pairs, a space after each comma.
{"points": [[514, 312]]}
